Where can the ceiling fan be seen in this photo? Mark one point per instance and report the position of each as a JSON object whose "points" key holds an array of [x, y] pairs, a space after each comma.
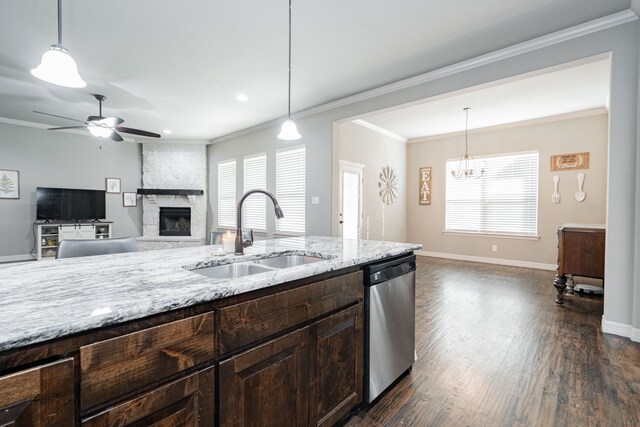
{"points": [[102, 126]]}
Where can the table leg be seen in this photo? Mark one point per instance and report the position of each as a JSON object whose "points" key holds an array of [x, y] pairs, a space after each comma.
{"points": [[560, 282]]}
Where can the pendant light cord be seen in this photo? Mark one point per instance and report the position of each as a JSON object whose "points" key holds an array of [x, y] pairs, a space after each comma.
{"points": [[466, 132], [289, 97], [59, 22]]}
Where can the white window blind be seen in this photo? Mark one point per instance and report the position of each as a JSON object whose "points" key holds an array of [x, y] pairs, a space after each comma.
{"points": [[503, 201], [227, 194], [290, 189], [255, 206]]}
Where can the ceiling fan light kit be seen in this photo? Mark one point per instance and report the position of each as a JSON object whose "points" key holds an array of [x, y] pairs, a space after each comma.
{"points": [[466, 166], [57, 66], [289, 131]]}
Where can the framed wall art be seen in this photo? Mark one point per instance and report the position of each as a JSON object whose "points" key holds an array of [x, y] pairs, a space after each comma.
{"points": [[113, 185], [9, 184], [562, 162], [129, 200], [424, 186]]}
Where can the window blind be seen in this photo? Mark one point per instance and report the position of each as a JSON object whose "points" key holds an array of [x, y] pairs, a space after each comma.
{"points": [[227, 194], [503, 201], [255, 206], [290, 189]]}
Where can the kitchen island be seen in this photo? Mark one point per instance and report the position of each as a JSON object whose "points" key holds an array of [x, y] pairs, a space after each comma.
{"points": [[139, 338]]}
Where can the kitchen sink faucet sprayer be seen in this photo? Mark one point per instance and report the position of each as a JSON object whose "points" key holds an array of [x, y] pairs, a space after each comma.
{"points": [[240, 242]]}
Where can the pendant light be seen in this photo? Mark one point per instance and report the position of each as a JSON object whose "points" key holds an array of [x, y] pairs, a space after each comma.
{"points": [[57, 66], [289, 131], [466, 167]]}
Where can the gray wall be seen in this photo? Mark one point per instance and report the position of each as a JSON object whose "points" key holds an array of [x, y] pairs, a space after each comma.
{"points": [[57, 159], [636, 319], [622, 41]]}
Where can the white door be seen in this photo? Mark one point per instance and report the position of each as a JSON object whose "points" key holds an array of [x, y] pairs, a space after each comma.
{"points": [[351, 199]]}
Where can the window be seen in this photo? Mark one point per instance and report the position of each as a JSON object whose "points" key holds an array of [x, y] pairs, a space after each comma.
{"points": [[503, 201], [227, 194], [290, 189], [255, 206]]}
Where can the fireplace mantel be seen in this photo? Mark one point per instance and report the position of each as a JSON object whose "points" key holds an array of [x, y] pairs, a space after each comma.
{"points": [[170, 192]]}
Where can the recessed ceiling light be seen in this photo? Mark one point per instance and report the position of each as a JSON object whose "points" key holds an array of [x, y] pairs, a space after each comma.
{"points": [[242, 97], [167, 131]]}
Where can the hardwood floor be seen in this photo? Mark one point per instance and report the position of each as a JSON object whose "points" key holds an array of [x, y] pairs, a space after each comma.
{"points": [[495, 350]]}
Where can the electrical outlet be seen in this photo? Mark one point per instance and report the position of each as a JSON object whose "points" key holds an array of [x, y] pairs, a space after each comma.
{"points": [[494, 248]]}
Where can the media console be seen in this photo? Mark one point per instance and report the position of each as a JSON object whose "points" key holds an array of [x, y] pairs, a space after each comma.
{"points": [[49, 235]]}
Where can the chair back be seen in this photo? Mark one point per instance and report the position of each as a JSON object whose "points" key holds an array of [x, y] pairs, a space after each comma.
{"points": [[71, 248]]}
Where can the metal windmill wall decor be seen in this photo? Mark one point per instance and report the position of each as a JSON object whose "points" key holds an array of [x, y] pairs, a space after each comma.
{"points": [[388, 185]]}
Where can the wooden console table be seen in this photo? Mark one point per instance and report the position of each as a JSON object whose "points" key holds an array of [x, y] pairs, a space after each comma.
{"points": [[580, 253]]}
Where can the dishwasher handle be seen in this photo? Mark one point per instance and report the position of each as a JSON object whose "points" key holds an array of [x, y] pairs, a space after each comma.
{"points": [[382, 272]]}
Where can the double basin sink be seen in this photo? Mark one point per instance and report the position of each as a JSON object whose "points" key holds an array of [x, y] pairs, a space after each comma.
{"points": [[247, 268]]}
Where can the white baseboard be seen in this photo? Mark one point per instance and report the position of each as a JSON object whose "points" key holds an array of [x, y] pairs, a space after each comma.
{"points": [[615, 328], [635, 335], [16, 258], [486, 260]]}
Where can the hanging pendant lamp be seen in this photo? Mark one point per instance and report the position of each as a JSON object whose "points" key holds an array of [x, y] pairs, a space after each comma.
{"points": [[57, 66], [289, 131], [466, 167]]}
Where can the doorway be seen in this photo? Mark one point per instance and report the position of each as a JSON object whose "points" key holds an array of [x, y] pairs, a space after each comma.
{"points": [[350, 199]]}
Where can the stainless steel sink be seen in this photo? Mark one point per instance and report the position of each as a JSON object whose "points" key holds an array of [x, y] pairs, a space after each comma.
{"points": [[286, 261], [232, 271]]}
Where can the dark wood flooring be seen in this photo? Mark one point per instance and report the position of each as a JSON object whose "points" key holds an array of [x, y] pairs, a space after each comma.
{"points": [[495, 350]]}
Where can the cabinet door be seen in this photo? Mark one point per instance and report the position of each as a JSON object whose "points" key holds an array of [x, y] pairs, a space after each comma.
{"points": [[336, 366], [41, 396], [185, 402], [267, 385]]}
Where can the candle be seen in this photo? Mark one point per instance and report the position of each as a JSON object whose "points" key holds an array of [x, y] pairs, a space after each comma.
{"points": [[229, 242]]}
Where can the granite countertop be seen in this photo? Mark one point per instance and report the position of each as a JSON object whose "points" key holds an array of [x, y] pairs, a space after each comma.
{"points": [[50, 299]]}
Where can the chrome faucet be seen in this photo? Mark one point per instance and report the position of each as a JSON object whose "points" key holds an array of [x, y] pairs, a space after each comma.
{"points": [[241, 243]]}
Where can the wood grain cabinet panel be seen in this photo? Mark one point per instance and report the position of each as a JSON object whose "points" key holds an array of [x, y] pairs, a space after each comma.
{"points": [[336, 366], [120, 366], [39, 397], [267, 385], [185, 402], [247, 322]]}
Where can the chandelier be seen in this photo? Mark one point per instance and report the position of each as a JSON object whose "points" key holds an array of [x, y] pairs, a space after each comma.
{"points": [[466, 167]]}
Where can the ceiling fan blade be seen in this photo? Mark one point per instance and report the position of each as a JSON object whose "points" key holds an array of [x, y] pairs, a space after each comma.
{"points": [[137, 132], [60, 117], [94, 118], [116, 137], [68, 127]]}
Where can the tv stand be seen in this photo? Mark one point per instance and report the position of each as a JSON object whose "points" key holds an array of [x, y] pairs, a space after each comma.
{"points": [[49, 235]]}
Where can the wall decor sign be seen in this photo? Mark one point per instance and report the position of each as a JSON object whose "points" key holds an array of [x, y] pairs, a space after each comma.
{"points": [[388, 185], [113, 185], [562, 162], [129, 200], [9, 184], [424, 180]]}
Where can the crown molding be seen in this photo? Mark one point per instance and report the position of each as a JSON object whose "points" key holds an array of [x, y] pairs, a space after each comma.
{"points": [[560, 36], [635, 7], [380, 130]]}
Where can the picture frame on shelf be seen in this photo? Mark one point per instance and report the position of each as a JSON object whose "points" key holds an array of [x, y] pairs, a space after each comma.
{"points": [[129, 200], [112, 185], [9, 184]]}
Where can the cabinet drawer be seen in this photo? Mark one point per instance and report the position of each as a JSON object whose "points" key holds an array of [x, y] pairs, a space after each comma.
{"points": [[250, 321], [186, 402], [119, 366], [41, 396]]}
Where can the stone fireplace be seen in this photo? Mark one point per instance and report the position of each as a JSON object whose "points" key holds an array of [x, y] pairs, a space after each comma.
{"points": [[174, 196]]}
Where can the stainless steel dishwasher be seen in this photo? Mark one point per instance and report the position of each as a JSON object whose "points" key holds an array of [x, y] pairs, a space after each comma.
{"points": [[390, 310]]}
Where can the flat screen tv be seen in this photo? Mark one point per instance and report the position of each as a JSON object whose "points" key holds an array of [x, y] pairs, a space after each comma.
{"points": [[66, 204]]}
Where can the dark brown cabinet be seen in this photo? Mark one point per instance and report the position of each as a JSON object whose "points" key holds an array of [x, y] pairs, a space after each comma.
{"points": [[267, 385], [39, 397], [336, 366], [185, 402]]}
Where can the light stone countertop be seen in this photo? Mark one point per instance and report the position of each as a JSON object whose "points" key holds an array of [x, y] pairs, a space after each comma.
{"points": [[44, 300]]}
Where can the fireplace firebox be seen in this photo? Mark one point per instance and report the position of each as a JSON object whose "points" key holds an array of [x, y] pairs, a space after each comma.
{"points": [[175, 221]]}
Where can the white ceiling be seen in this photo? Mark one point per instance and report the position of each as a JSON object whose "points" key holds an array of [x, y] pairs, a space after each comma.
{"points": [[547, 93], [180, 64]]}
